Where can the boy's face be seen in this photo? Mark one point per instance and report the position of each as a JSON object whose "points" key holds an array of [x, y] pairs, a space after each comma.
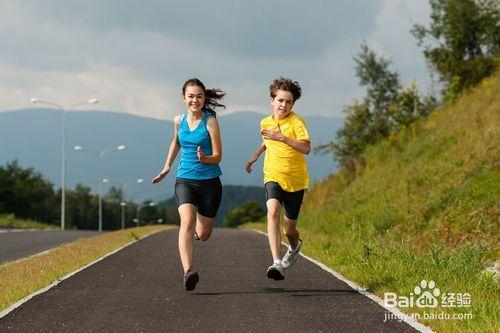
{"points": [[282, 104]]}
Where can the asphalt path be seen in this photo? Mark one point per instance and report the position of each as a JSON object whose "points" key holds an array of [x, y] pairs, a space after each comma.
{"points": [[20, 244], [139, 289]]}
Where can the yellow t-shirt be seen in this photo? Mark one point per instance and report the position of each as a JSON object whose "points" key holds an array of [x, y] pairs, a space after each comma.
{"points": [[282, 163]]}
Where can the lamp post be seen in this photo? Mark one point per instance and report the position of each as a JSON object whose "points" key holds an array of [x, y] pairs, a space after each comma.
{"points": [[100, 155], [138, 209], [63, 158], [123, 204]]}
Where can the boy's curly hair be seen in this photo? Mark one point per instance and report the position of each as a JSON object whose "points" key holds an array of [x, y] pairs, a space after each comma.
{"points": [[283, 83]]}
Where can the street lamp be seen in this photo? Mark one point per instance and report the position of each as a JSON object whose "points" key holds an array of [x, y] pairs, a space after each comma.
{"points": [[100, 155], [138, 209], [63, 159], [123, 204]]}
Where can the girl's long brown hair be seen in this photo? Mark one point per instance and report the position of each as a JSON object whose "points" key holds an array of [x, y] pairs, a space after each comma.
{"points": [[212, 96]]}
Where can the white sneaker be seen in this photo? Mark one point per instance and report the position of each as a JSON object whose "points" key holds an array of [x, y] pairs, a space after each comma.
{"points": [[275, 272], [290, 257]]}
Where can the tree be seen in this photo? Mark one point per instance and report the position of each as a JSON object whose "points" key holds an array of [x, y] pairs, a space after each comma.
{"points": [[463, 40], [382, 85], [27, 194], [247, 212], [386, 108]]}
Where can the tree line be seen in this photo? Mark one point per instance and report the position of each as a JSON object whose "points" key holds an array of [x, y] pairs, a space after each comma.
{"points": [[25, 193], [461, 47]]}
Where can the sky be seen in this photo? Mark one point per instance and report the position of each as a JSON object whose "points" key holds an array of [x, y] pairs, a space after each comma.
{"points": [[134, 56]]}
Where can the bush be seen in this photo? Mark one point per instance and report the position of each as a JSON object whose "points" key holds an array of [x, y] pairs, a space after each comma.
{"points": [[249, 212]]}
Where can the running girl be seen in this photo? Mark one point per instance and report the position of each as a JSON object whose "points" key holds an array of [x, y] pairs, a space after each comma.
{"points": [[197, 188], [285, 140]]}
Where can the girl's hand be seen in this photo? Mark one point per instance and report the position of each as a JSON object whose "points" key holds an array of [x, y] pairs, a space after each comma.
{"points": [[201, 156], [160, 176], [273, 135]]}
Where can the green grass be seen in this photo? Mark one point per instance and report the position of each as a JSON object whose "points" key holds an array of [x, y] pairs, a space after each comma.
{"points": [[20, 278], [424, 204], [9, 221]]}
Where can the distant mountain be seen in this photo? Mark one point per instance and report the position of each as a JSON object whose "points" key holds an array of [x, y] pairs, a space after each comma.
{"points": [[33, 137]]}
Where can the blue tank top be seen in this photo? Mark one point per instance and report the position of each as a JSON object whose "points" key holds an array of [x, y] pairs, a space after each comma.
{"points": [[190, 167]]}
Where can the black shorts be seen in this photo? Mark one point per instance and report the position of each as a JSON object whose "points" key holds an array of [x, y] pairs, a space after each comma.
{"points": [[291, 201], [204, 194]]}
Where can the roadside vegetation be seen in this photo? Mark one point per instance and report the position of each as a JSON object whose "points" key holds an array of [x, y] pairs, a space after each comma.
{"points": [[9, 221], [417, 194], [21, 278]]}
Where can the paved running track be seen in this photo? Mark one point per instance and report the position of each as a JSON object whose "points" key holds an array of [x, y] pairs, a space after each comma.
{"points": [[15, 244], [139, 289]]}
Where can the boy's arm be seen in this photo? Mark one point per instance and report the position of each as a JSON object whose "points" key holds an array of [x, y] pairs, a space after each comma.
{"points": [[255, 157], [302, 146]]}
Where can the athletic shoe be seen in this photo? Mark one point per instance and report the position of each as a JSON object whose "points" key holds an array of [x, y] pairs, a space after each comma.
{"points": [[275, 272], [196, 237], [290, 257], [190, 280]]}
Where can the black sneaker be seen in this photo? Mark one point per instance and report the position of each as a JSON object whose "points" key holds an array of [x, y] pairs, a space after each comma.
{"points": [[190, 280]]}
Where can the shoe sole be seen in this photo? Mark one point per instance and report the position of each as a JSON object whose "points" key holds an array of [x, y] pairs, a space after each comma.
{"points": [[275, 274], [191, 281]]}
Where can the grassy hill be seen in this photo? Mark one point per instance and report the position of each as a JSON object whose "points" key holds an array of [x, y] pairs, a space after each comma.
{"points": [[424, 204]]}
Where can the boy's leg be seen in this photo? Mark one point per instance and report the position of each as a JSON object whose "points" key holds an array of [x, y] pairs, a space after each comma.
{"points": [[187, 214], [273, 231], [291, 232], [292, 202]]}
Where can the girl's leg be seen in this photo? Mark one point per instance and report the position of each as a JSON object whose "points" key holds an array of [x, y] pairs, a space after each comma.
{"points": [[187, 213], [273, 231], [291, 232], [204, 226]]}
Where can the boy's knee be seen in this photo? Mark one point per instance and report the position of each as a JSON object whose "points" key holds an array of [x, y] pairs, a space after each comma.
{"points": [[273, 212]]}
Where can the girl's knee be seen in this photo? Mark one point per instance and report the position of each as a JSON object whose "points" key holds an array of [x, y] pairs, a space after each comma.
{"points": [[187, 226], [204, 235]]}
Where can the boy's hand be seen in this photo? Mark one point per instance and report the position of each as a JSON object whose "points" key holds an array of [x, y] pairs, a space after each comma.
{"points": [[201, 156], [273, 135], [248, 167]]}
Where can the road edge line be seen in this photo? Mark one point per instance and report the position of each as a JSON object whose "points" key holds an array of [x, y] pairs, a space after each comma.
{"points": [[413, 323], [14, 306]]}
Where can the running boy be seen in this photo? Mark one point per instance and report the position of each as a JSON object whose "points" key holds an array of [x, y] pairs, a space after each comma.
{"points": [[285, 140]]}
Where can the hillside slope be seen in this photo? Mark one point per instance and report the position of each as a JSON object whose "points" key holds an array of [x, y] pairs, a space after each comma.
{"points": [[424, 205]]}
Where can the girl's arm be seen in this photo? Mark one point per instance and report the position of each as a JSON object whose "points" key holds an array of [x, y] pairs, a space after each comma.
{"points": [[172, 153], [255, 157], [214, 131]]}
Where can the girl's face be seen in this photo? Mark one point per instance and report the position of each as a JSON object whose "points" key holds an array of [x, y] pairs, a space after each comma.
{"points": [[194, 98], [282, 104]]}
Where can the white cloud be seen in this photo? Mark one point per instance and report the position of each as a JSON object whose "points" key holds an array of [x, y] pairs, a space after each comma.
{"points": [[392, 38], [68, 52], [117, 89]]}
